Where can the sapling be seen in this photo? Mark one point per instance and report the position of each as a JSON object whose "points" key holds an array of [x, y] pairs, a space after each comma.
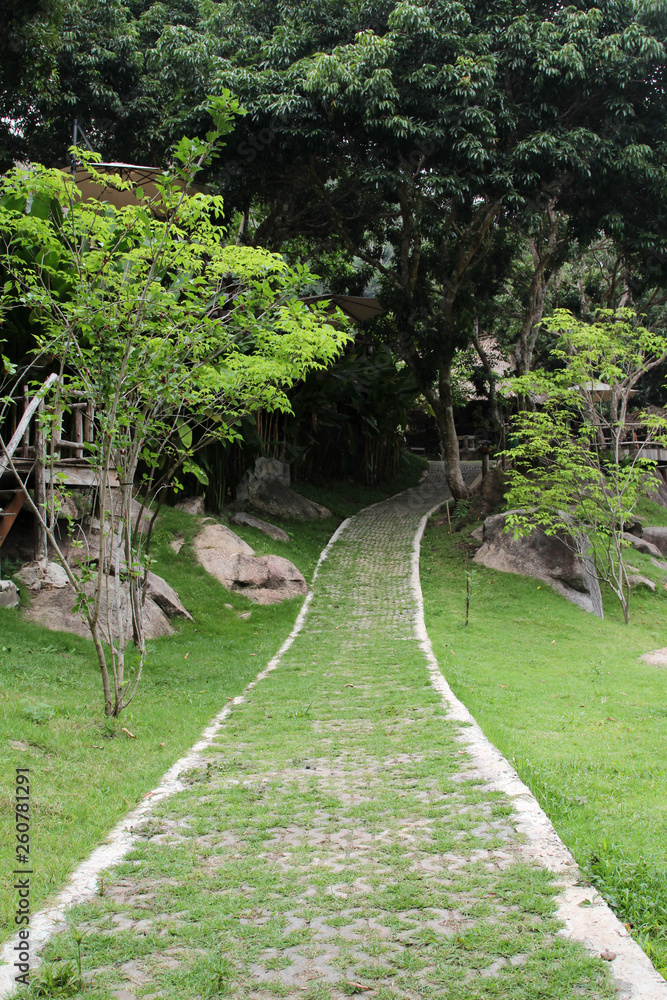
{"points": [[172, 333]]}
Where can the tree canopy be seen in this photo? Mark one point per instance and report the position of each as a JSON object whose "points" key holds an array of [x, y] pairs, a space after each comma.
{"points": [[422, 139]]}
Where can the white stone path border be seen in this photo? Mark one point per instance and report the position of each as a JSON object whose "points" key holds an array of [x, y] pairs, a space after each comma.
{"points": [[593, 924], [586, 916]]}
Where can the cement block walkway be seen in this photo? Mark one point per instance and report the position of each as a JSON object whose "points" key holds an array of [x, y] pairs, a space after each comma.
{"points": [[333, 840]]}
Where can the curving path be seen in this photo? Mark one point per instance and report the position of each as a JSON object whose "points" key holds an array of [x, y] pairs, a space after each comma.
{"points": [[347, 831]]}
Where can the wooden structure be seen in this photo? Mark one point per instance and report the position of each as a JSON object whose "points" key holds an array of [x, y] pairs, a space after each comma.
{"points": [[40, 458]]}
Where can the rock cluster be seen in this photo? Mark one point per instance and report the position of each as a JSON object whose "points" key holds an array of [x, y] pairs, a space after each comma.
{"points": [[264, 579], [53, 599], [267, 490], [556, 559]]}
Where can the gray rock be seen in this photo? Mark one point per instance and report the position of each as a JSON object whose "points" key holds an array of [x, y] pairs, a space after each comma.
{"points": [[66, 508], [9, 594], [271, 468], [31, 575], [264, 579], [283, 580], [660, 563], [557, 559], [191, 505], [166, 597], [660, 494], [42, 576], [247, 571], [54, 577], [642, 544], [216, 546], [478, 533], [657, 536], [54, 610], [250, 521], [637, 580], [272, 497]]}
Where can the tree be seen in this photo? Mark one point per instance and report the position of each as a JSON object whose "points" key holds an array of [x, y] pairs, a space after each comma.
{"points": [[29, 38], [574, 469], [411, 133], [174, 334]]}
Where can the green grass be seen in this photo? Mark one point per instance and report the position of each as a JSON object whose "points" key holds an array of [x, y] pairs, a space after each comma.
{"points": [[86, 773], [565, 698]]}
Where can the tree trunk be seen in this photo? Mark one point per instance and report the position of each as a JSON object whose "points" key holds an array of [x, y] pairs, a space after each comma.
{"points": [[443, 408]]}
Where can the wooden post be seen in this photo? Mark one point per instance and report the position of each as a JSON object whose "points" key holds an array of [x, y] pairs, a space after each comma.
{"points": [[41, 551], [25, 444], [88, 424], [57, 431], [78, 431]]}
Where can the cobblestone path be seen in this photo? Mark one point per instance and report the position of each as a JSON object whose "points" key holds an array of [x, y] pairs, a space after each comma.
{"points": [[332, 843]]}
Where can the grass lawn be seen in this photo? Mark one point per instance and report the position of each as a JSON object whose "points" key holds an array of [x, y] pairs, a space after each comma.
{"points": [[85, 771], [565, 698]]}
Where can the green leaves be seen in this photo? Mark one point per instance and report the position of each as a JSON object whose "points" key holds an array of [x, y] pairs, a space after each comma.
{"points": [[576, 467]]}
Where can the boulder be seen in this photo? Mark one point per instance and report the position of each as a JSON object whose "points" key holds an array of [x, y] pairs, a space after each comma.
{"points": [[54, 577], [67, 508], [657, 536], [478, 533], [660, 493], [31, 575], [9, 594], [215, 546], [191, 505], [271, 468], [250, 521], [283, 580], [637, 580], [54, 610], [264, 579], [642, 544], [556, 559], [166, 598], [39, 576], [272, 497]]}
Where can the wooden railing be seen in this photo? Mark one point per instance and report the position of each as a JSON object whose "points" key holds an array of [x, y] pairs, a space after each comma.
{"points": [[35, 446], [78, 420]]}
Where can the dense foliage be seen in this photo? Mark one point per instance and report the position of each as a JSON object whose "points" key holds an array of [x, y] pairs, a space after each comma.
{"points": [[167, 329], [578, 467], [428, 141]]}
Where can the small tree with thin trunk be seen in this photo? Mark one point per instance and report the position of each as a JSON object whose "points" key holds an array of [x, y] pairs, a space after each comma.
{"points": [[174, 336], [575, 469]]}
